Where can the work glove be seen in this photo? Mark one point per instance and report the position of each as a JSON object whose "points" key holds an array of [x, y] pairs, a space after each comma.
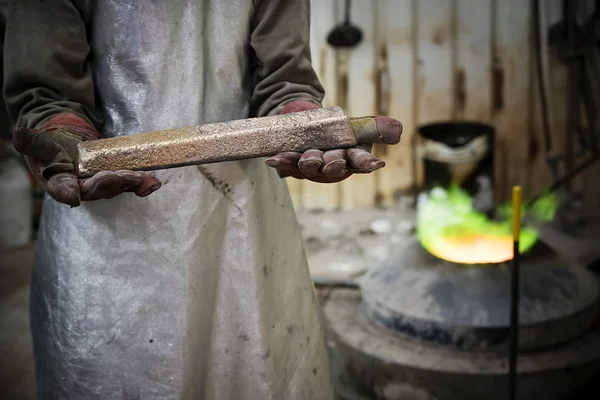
{"points": [[51, 151], [333, 165]]}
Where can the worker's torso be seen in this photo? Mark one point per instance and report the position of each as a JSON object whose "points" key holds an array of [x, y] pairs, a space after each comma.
{"points": [[200, 290], [165, 64]]}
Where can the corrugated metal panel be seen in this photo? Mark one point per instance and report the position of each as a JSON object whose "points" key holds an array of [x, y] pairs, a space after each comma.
{"points": [[429, 60]]}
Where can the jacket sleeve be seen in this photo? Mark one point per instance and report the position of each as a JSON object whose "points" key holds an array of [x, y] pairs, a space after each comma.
{"points": [[280, 41], [47, 62]]}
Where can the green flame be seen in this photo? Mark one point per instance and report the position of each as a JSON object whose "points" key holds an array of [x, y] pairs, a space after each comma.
{"points": [[449, 213]]}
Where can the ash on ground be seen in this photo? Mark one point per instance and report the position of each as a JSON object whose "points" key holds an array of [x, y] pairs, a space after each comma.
{"points": [[343, 245]]}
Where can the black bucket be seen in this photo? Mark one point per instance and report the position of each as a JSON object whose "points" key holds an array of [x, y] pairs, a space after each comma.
{"points": [[463, 153]]}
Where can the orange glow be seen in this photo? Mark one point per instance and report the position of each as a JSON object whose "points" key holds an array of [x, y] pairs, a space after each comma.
{"points": [[474, 249]]}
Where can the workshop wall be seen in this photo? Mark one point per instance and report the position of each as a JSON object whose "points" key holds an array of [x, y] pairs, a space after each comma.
{"points": [[430, 60]]}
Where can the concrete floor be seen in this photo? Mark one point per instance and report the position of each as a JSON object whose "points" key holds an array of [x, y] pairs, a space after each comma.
{"points": [[16, 362]]}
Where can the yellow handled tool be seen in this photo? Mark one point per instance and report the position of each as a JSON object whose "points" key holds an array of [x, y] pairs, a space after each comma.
{"points": [[514, 295]]}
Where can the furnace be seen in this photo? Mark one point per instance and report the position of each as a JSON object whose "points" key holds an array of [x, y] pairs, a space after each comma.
{"points": [[432, 320], [443, 327]]}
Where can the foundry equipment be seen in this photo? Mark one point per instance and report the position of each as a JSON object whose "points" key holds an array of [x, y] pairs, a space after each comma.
{"points": [[323, 129], [463, 153], [436, 323], [574, 40], [442, 329], [423, 326]]}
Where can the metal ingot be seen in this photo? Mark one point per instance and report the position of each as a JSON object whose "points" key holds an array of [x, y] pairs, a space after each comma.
{"points": [[324, 129]]}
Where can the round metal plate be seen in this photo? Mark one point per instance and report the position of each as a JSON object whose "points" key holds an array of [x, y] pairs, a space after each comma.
{"points": [[418, 295], [371, 362]]}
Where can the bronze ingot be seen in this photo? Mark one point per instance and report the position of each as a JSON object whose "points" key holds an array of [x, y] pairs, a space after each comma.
{"points": [[323, 129]]}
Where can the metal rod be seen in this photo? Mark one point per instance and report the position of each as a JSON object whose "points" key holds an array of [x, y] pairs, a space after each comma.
{"points": [[514, 296], [514, 323], [347, 12], [556, 185], [592, 159]]}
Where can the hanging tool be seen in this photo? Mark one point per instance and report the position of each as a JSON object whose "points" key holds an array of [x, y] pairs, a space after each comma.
{"points": [[345, 34], [514, 295], [323, 129]]}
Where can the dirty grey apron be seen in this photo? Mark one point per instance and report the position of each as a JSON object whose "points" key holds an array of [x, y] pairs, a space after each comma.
{"points": [[201, 290]]}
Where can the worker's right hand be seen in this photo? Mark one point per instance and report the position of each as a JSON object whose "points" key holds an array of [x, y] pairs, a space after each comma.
{"points": [[51, 153], [335, 165]]}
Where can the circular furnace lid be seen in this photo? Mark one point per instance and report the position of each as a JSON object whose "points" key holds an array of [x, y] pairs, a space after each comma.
{"points": [[418, 295]]}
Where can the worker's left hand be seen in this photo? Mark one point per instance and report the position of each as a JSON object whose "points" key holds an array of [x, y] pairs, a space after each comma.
{"points": [[51, 151], [333, 165]]}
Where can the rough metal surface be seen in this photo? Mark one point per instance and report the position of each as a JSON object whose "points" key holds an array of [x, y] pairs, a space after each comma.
{"points": [[325, 128], [421, 296], [369, 363]]}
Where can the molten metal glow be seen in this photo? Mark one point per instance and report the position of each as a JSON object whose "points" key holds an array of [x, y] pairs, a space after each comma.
{"points": [[475, 249], [451, 229]]}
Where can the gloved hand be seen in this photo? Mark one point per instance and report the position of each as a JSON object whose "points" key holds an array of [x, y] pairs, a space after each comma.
{"points": [[333, 165], [51, 153]]}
